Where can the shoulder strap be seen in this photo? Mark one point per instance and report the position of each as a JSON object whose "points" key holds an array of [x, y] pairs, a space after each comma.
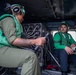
{"points": [[6, 15], [69, 36]]}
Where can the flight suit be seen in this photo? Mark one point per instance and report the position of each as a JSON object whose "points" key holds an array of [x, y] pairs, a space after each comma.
{"points": [[11, 56]]}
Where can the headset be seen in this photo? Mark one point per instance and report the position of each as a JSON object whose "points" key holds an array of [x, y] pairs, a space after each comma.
{"points": [[15, 8]]}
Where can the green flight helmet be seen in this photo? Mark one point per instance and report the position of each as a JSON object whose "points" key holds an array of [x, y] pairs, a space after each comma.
{"points": [[64, 23], [17, 9]]}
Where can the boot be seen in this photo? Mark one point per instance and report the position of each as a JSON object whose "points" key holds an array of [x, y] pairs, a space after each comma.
{"points": [[64, 73]]}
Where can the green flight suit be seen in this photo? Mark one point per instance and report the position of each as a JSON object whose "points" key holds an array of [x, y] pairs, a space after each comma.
{"points": [[61, 40]]}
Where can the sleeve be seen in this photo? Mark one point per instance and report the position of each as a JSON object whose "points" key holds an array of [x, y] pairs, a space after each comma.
{"points": [[57, 41], [9, 29]]}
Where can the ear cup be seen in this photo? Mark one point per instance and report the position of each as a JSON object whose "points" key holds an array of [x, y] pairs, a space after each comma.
{"points": [[15, 9]]}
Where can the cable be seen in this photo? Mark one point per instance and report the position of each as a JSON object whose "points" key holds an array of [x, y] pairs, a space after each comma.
{"points": [[36, 48]]}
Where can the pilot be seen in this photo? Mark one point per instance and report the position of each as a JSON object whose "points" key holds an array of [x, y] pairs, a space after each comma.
{"points": [[63, 43], [10, 41]]}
